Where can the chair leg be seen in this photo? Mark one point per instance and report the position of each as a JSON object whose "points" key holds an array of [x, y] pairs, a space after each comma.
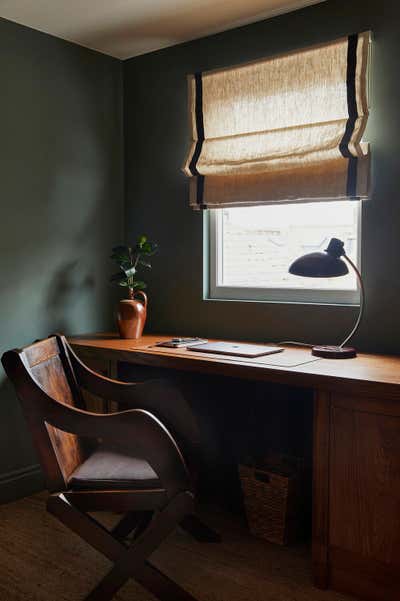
{"points": [[132, 561], [128, 561], [125, 526], [160, 585], [147, 576], [200, 531], [108, 586], [134, 521], [144, 521], [85, 526]]}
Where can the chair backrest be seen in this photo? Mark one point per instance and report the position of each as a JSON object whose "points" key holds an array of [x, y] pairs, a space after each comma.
{"points": [[48, 364]]}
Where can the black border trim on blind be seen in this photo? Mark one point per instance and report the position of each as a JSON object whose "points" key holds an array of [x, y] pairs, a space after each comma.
{"points": [[199, 123], [200, 138], [353, 115], [198, 78]]}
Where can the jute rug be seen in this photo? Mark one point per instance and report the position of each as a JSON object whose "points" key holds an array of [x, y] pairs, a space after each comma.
{"points": [[43, 561]]}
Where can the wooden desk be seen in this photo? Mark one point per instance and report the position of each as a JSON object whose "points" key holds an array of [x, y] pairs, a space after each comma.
{"points": [[356, 465]]}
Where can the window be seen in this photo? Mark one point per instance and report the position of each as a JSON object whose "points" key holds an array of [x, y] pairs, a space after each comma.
{"points": [[277, 157], [251, 249]]}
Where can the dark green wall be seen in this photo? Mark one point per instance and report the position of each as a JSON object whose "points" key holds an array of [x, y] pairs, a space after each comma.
{"points": [[156, 137], [61, 200]]}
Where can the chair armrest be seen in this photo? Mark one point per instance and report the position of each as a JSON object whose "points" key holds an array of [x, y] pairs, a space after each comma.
{"points": [[159, 396], [136, 431], [102, 386]]}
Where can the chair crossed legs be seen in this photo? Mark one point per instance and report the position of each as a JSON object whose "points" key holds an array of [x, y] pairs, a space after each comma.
{"points": [[129, 561]]}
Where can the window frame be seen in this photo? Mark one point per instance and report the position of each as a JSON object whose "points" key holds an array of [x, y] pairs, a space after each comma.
{"points": [[213, 291]]}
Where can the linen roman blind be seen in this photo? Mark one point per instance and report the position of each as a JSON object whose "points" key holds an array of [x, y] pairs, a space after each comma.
{"points": [[283, 129]]}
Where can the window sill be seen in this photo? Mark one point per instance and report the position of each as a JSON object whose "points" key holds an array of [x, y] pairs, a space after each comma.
{"points": [[353, 305]]}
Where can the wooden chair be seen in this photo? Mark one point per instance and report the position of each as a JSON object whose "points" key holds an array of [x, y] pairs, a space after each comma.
{"points": [[126, 462]]}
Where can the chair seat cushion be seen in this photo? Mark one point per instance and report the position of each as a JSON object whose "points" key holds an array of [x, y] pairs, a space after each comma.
{"points": [[111, 469]]}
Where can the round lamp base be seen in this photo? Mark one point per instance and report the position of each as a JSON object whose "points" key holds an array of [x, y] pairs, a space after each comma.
{"points": [[334, 352]]}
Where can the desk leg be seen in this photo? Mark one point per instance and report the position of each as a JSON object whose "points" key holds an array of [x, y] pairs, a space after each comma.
{"points": [[321, 489]]}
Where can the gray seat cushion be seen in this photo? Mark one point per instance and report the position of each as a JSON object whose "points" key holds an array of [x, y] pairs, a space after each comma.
{"points": [[111, 469]]}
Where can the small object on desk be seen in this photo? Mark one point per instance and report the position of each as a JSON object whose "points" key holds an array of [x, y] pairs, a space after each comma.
{"points": [[238, 350], [181, 342]]}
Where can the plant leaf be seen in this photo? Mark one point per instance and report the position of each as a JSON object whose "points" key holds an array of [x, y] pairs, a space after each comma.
{"points": [[149, 248], [138, 284], [120, 260], [130, 272], [144, 263]]}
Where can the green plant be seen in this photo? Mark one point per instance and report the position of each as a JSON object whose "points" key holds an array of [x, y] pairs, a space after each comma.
{"points": [[129, 260]]}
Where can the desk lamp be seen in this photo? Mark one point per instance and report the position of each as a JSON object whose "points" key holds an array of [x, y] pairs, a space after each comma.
{"points": [[329, 264]]}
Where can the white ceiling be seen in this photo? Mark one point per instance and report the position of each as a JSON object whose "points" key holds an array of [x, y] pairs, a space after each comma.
{"points": [[126, 28]]}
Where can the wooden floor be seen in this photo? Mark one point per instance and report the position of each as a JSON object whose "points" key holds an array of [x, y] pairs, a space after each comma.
{"points": [[42, 561]]}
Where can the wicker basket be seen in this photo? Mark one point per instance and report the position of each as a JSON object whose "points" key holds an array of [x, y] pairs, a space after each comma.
{"points": [[274, 499]]}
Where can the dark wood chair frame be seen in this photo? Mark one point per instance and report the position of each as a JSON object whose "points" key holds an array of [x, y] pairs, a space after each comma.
{"points": [[49, 378]]}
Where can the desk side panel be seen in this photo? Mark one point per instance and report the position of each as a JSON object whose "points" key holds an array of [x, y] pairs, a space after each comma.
{"points": [[364, 498]]}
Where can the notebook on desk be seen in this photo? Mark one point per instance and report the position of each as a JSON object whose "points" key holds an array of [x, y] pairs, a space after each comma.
{"points": [[236, 349]]}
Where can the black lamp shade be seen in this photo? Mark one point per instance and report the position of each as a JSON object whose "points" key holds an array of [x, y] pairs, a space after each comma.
{"points": [[319, 265], [326, 264]]}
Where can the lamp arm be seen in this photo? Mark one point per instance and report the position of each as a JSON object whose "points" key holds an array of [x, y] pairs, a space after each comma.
{"points": [[362, 301]]}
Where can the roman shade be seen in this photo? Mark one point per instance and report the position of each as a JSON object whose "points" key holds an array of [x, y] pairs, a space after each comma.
{"points": [[283, 129]]}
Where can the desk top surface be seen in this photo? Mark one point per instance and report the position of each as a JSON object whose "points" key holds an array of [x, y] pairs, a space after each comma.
{"points": [[365, 374]]}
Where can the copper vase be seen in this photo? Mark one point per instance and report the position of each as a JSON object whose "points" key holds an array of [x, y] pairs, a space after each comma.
{"points": [[131, 315]]}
